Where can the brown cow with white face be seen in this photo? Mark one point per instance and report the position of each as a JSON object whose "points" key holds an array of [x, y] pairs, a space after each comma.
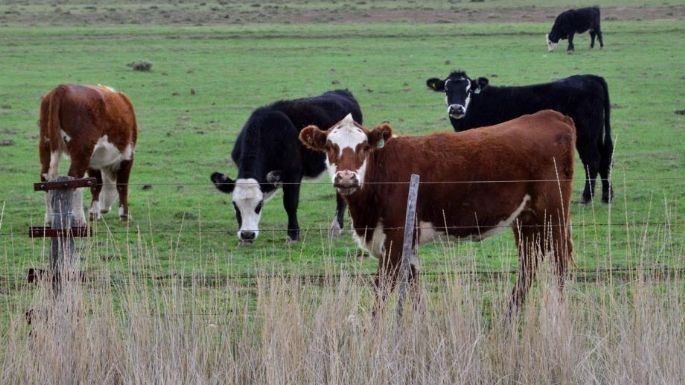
{"points": [[95, 126], [474, 184]]}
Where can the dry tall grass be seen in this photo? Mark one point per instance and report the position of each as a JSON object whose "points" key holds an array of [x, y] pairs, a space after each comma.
{"points": [[284, 331]]}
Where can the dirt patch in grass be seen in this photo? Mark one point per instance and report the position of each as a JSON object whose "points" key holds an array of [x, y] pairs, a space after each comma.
{"points": [[233, 13]]}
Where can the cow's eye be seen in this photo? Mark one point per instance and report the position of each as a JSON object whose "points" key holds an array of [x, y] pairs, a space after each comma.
{"points": [[259, 207]]}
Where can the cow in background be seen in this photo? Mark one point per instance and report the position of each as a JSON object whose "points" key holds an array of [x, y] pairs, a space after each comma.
{"points": [[95, 126], [268, 155], [474, 184], [575, 21], [585, 98]]}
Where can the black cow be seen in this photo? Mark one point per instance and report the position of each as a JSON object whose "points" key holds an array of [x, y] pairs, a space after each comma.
{"points": [[585, 98], [575, 21], [268, 155]]}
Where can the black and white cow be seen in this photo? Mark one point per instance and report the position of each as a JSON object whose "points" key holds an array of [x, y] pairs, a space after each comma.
{"points": [[269, 155], [575, 21], [585, 98]]}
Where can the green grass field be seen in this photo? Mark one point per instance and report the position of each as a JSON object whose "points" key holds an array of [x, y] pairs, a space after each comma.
{"points": [[233, 69]]}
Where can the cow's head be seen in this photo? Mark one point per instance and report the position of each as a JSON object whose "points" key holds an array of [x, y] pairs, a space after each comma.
{"points": [[552, 41], [459, 90], [347, 146], [248, 198]]}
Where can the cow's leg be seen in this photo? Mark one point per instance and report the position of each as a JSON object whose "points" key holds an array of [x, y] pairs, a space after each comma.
{"points": [[389, 262], [109, 189], [44, 153], [599, 37], [592, 38], [78, 169], [122, 178], [337, 225], [606, 152], [589, 155], [291, 199], [570, 43], [94, 211], [528, 241]]}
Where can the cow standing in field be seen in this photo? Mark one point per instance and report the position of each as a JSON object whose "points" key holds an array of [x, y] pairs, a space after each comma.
{"points": [[474, 184], [575, 21], [95, 126], [268, 155], [585, 98]]}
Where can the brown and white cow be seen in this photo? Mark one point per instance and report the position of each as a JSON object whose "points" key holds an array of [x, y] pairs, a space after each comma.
{"points": [[96, 127], [474, 184]]}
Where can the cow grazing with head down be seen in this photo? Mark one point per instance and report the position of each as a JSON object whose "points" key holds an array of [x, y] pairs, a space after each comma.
{"points": [[475, 103], [268, 155], [474, 184], [575, 21], [95, 126]]}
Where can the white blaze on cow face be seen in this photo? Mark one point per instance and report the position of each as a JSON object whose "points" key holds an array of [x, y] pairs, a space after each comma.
{"points": [[550, 44], [345, 141], [248, 200]]}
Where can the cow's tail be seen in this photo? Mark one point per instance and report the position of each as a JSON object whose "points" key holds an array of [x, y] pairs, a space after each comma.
{"points": [[50, 141], [607, 143]]}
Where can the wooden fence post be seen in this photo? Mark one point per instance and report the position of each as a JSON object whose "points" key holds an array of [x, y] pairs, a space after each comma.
{"points": [[63, 257], [407, 246]]}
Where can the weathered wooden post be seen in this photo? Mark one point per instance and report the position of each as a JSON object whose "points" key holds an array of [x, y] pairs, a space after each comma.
{"points": [[407, 246], [63, 258]]}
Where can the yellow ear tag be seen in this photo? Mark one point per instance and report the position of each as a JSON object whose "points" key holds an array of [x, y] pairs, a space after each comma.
{"points": [[380, 144]]}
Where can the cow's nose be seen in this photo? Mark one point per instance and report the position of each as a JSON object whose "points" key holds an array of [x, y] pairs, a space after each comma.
{"points": [[456, 109], [345, 178], [247, 235]]}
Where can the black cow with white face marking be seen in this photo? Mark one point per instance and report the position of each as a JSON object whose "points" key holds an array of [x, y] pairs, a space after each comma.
{"points": [[585, 98], [575, 21], [269, 155]]}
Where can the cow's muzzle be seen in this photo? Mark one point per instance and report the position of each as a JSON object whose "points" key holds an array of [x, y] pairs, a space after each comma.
{"points": [[346, 182], [456, 111], [247, 237]]}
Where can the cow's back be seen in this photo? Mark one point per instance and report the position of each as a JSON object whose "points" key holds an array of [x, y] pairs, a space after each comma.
{"points": [[502, 163]]}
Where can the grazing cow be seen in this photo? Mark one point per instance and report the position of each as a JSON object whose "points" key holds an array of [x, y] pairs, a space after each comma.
{"points": [[585, 98], [96, 127], [575, 21], [268, 155], [474, 184]]}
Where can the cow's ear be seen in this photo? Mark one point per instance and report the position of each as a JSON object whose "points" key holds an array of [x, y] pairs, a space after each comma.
{"points": [[479, 84], [313, 138], [223, 182], [436, 84], [380, 135]]}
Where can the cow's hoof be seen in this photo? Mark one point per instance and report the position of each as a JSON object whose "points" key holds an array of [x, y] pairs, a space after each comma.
{"points": [[290, 241], [125, 218], [104, 211]]}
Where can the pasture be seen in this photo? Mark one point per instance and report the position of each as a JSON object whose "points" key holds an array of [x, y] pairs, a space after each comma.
{"points": [[204, 83]]}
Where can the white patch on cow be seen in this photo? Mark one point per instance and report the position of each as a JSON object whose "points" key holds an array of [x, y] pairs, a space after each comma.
{"points": [[77, 208], [550, 45], [64, 136], [121, 211], [54, 165], [246, 196], [109, 189], [332, 169], [427, 232], [106, 154], [347, 135], [376, 246], [94, 210], [504, 224]]}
